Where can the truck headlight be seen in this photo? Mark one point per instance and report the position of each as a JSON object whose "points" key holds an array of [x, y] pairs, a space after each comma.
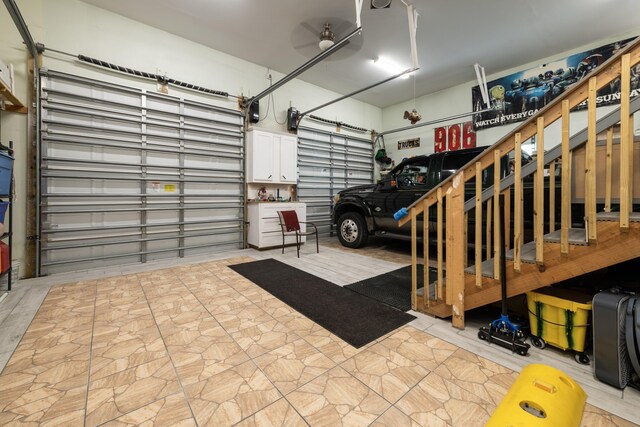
{"points": [[336, 198]]}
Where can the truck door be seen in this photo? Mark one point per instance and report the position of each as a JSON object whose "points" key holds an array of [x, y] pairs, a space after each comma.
{"points": [[412, 182]]}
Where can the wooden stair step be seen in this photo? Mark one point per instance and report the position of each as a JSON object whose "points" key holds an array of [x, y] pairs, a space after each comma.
{"points": [[432, 291], [487, 268], [615, 216], [577, 236], [527, 253]]}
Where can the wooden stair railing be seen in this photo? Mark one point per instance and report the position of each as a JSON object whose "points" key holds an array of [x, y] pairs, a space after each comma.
{"points": [[449, 292]]}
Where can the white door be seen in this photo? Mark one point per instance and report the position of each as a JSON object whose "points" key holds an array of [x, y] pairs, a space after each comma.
{"points": [[263, 157], [288, 159]]}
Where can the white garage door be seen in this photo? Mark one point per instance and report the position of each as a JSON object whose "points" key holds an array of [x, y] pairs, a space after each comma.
{"points": [[130, 176], [329, 162]]}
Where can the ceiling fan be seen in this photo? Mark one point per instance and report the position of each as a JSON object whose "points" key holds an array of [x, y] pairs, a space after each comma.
{"points": [[311, 37]]}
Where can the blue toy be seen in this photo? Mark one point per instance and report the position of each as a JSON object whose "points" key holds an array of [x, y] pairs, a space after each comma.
{"points": [[400, 214]]}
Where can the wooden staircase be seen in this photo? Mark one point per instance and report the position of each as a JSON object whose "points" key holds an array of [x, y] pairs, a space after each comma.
{"points": [[596, 171]]}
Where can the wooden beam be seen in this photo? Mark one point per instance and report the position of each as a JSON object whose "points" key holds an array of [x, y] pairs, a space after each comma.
{"points": [[631, 155], [425, 252], [414, 259], [590, 178], [517, 209], [455, 251], [478, 237], [496, 214], [439, 295], [565, 209], [626, 146], [608, 171], [466, 239], [489, 227], [10, 97], [539, 193], [552, 196]]}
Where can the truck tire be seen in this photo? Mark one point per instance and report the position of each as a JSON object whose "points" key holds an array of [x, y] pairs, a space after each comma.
{"points": [[352, 230]]}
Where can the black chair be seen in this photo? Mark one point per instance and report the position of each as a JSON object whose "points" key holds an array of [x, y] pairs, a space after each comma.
{"points": [[289, 224]]}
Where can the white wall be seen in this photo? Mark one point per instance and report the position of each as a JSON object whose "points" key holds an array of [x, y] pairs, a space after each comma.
{"points": [[457, 100], [79, 28]]}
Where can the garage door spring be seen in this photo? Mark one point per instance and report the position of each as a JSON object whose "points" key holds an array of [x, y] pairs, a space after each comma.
{"points": [[158, 78], [339, 124]]}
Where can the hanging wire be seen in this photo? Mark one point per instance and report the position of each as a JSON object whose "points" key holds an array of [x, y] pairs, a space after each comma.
{"points": [[271, 102], [414, 91], [271, 98], [270, 83]]}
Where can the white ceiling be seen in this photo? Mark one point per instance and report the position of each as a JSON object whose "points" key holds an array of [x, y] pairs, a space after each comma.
{"points": [[452, 35]]}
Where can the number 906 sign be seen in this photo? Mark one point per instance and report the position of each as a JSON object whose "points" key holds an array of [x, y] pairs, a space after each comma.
{"points": [[454, 137]]}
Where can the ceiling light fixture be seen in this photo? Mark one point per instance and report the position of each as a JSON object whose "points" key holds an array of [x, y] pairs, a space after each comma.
{"points": [[390, 66], [380, 4], [327, 38]]}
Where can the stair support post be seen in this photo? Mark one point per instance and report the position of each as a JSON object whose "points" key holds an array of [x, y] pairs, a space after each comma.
{"points": [[489, 227], [439, 295], [608, 171], [552, 196], [539, 194], [590, 162], [496, 214], [425, 252], [478, 230], [565, 209], [517, 209], [626, 147], [455, 250], [414, 259]]}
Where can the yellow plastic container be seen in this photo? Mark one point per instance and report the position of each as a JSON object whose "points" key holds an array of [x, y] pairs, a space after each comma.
{"points": [[560, 317], [541, 396]]}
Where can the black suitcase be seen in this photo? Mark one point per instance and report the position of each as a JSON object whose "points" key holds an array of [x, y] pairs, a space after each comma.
{"points": [[632, 336], [610, 356]]}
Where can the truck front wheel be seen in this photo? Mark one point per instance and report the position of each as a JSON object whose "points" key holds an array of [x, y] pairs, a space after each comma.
{"points": [[352, 230]]}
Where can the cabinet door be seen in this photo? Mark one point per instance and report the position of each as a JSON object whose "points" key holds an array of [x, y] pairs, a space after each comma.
{"points": [[288, 159], [263, 157]]}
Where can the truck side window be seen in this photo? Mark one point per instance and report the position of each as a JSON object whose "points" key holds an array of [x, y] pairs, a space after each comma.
{"points": [[454, 161], [413, 175]]}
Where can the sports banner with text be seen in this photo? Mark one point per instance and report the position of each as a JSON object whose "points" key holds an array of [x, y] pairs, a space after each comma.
{"points": [[520, 95]]}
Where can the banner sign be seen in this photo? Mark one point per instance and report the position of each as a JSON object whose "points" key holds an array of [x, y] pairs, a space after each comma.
{"points": [[520, 95], [454, 137], [409, 143]]}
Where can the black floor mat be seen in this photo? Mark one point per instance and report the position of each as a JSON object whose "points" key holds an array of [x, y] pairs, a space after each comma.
{"points": [[393, 288], [355, 318]]}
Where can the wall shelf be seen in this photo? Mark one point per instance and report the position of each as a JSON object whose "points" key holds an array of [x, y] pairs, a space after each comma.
{"points": [[12, 103]]}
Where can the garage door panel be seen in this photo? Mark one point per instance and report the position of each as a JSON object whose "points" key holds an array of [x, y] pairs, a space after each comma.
{"points": [[97, 220], [92, 188], [104, 94], [93, 120], [327, 163], [129, 176], [84, 152]]}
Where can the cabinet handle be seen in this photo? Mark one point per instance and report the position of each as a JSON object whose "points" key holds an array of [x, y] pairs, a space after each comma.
{"points": [[269, 177], [284, 177]]}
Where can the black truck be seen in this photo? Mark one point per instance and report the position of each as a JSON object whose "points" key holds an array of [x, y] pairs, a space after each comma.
{"points": [[364, 210]]}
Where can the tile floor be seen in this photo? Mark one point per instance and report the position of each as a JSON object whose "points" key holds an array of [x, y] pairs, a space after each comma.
{"points": [[201, 345]]}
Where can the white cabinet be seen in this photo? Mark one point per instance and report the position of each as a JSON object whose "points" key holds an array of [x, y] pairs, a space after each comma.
{"points": [[264, 226], [271, 157]]}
